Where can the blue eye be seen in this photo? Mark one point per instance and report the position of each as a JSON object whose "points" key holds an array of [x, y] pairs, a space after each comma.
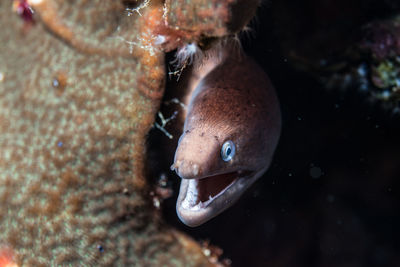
{"points": [[228, 150]]}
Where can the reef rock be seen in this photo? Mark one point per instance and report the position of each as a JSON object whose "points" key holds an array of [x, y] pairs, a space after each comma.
{"points": [[79, 88]]}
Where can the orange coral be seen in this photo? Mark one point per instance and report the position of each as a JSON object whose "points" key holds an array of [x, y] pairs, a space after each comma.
{"points": [[7, 257]]}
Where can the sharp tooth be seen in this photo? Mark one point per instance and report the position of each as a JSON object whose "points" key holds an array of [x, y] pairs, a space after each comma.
{"points": [[191, 197], [195, 169]]}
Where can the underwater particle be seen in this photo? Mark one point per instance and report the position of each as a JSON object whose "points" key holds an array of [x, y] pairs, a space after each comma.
{"points": [[163, 180], [330, 198], [323, 62], [125, 191], [1, 77], [385, 95], [156, 202], [55, 83], [214, 253], [362, 70], [24, 10], [161, 191], [100, 248], [206, 252], [315, 172], [59, 81]]}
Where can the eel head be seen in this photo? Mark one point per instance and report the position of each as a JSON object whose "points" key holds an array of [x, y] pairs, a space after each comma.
{"points": [[215, 172]]}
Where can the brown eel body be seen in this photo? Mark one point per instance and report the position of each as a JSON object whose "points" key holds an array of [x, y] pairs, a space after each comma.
{"points": [[230, 134]]}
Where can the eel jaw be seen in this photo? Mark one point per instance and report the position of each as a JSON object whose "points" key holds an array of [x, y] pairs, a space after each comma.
{"points": [[196, 204]]}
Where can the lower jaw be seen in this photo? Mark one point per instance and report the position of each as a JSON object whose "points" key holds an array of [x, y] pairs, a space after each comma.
{"points": [[200, 193], [192, 201]]}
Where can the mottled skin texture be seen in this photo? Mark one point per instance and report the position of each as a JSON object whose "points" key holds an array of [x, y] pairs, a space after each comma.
{"points": [[76, 103], [234, 101]]}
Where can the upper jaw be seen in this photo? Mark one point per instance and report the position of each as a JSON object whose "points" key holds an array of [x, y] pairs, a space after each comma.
{"points": [[190, 170]]}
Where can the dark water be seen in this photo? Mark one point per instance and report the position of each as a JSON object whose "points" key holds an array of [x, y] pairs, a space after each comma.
{"points": [[331, 196]]}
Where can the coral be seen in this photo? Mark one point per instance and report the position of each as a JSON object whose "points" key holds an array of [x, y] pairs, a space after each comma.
{"points": [[382, 44], [373, 64], [78, 93], [202, 21], [382, 38], [345, 45]]}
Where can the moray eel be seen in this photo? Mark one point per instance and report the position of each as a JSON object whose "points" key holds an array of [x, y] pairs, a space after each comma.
{"points": [[230, 133]]}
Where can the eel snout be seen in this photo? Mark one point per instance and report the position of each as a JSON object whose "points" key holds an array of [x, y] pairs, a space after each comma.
{"points": [[192, 158]]}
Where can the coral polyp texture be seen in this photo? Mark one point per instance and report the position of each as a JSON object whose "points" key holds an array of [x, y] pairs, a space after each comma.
{"points": [[78, 94]]}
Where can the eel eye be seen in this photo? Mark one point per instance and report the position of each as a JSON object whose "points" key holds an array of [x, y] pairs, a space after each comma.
{"points": [[228, 150]]}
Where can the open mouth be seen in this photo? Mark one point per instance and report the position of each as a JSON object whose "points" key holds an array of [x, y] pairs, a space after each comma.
{"points": [[201, 192]]}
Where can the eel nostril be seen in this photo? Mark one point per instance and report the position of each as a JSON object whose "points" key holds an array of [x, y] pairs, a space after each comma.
{"points": [[175, 165]]}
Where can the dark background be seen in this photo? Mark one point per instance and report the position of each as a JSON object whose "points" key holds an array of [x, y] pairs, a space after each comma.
{"points": [[331, 195]]}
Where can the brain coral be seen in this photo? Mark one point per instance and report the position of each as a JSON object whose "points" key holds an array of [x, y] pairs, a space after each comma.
{"points": [[78, 92]]}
